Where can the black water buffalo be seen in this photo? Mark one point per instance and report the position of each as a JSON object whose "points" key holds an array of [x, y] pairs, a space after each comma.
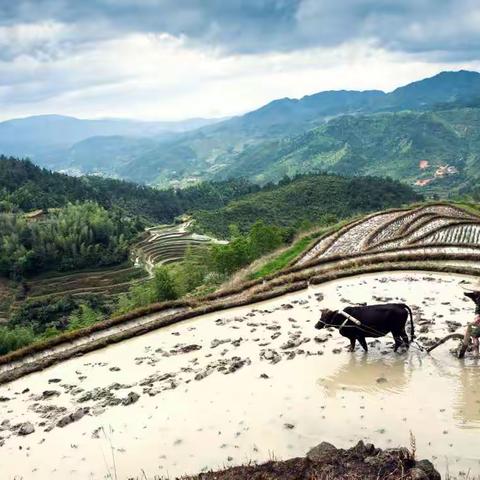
{"points": [[370, 321]]}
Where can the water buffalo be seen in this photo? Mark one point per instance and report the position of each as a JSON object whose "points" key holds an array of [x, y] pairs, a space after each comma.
{"points": [[356, 323]]}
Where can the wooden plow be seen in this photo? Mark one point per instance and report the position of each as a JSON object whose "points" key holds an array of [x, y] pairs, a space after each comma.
{"points": [[466, 338]]}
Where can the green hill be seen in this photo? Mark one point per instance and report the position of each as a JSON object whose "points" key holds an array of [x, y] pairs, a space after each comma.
{"points": [[158, 157], [260, 137], [311, 199], [385, 144], [25, 187]]}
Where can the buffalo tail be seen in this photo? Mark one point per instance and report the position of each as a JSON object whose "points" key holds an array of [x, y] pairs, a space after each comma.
{"points": [[412, 333]]}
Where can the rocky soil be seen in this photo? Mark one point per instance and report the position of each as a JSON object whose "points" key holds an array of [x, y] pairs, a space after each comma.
{"points": [[325, 462]]}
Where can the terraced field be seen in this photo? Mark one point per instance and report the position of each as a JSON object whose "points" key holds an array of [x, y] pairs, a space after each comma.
{"points": [[166, 244], [430, 231], [159, 245], [107, 281]]}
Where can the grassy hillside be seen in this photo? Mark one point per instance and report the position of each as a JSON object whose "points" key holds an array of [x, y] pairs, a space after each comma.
{"points": [[308, 199]]}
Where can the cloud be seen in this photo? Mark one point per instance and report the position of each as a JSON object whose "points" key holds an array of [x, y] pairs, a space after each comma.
{"points": [[439, 27], [161, 77], [172, 59]]}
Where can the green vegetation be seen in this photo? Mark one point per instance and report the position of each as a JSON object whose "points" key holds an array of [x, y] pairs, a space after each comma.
{"points": [[385, 144], [25, 187], [74, 237], [36, 320], [281, 261], [307, 200], [205, 268]]}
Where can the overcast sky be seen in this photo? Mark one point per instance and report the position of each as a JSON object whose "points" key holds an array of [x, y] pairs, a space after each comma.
{"points": [[174, 59]]}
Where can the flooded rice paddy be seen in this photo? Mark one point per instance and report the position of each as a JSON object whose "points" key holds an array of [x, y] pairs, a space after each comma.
{"points": [[249, 384]]}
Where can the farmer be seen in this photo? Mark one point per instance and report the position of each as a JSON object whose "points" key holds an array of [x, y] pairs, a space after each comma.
{"points": [[476, 331], [474, 328]]}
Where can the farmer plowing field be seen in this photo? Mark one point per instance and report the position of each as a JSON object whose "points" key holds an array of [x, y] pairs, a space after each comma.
{"points": [[473, 329]]}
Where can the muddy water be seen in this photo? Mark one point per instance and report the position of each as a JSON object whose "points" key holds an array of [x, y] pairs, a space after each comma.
{"points": [[229, 403]]}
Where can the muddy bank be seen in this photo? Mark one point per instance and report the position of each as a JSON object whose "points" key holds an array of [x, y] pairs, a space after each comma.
{"points": [[325, 461]]}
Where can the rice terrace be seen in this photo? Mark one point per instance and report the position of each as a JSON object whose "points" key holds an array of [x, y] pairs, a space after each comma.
{"points": [[138, 392]]}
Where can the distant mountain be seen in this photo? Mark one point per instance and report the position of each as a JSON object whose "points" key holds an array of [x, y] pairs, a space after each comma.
{"points": [[249, 145], [220, 150], [444, 88], [62, 130], [386, 144], [44, 137]]}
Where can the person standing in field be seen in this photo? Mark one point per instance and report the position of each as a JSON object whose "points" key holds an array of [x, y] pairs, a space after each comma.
{"points": [[474, 328]]}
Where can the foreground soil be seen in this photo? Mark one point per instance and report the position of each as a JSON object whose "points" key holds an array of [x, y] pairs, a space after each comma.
{"points": [[325, 462]]}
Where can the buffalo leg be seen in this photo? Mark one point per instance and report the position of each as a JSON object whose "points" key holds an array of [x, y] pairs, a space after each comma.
{"points": [[363, 343], [398, 342], [352, 344], [405, 338]]}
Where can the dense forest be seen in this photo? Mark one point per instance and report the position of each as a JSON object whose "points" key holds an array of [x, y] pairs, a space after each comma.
{"points": [[25, 187], [309, 199], [74, 237]]}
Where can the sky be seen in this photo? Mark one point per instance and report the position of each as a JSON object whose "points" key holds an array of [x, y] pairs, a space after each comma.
{"points": [[176, 59]]}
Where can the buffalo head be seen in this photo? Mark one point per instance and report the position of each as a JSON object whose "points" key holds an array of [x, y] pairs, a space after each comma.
{"points": [[325, 319]]}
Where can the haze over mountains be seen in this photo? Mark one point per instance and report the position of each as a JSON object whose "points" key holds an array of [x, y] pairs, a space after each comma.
{"points": [[351, 132]]}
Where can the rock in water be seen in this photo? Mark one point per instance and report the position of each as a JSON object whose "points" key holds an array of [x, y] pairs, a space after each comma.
{"points": [[132, 397], [26, 429], [73, 417]]}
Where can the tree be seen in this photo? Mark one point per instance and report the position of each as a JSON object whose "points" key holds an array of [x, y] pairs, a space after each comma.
{"points": [[264, 239], [164, 284]]}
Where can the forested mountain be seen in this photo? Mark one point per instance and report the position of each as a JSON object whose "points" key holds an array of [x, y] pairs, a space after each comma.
{"points": [[412, 146], [309, 199], [216, 151], [25, 187], [220, 150]]}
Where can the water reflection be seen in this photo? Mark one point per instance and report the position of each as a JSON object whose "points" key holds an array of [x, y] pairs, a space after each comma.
{"points": [[467, 403], [368, 374]]}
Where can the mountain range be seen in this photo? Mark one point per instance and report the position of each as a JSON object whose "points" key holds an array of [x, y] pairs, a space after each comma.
{"points": [[409, 133]]}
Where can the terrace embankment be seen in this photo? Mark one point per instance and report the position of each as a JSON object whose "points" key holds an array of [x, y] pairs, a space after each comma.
{"points": [[249, 383]]}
